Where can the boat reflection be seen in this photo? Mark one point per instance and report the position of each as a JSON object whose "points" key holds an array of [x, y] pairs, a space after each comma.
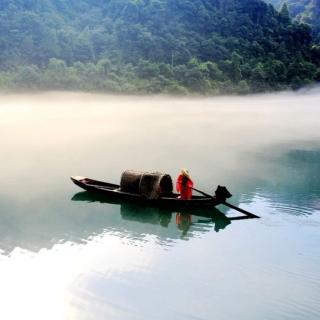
{"points": [[188, 220]]}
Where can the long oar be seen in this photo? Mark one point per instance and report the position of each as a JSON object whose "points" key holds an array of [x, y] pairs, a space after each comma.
{"points": [[227, 204]]}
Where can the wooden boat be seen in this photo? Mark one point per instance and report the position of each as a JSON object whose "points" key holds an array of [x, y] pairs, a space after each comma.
{"points": [[113, 192]]}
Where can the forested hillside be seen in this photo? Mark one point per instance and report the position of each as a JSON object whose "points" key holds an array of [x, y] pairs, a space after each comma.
{"points": [[304, 11], [153, 46], [296, 7]]}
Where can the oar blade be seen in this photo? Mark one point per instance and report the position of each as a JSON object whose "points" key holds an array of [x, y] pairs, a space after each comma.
{"points": [[247, 213]]}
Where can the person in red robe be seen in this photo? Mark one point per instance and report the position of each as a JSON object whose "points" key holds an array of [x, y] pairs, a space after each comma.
{"points": [[184, 185]]}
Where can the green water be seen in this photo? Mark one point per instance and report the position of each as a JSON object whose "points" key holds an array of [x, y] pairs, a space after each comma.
{"points": [[67, 255]]}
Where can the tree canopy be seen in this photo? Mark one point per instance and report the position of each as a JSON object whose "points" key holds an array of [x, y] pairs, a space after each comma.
{"points": [[303, 11], [154, 46]]}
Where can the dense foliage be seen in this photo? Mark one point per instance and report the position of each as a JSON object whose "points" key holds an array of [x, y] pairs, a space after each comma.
{"points": [[304, 11], [153, 46]]}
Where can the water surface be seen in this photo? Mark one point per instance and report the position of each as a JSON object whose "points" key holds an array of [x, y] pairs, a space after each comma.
{"points": [[67, 255]]}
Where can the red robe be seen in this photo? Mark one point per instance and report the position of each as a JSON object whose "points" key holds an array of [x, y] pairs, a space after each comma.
{"points": [[184, 185]]}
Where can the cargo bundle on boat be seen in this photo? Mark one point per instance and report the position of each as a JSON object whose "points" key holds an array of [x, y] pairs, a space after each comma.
{"points": [[151, 185]]}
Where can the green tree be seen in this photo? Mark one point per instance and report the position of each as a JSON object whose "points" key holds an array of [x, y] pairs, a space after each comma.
{"points": [[284, 13]]}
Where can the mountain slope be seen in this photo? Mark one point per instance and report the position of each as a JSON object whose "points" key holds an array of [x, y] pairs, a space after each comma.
{"points": [[206, 46], [304, 11]]}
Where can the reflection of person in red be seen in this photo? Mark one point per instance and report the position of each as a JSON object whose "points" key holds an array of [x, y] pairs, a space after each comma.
{"points": [[184, 185], [183, 221]]}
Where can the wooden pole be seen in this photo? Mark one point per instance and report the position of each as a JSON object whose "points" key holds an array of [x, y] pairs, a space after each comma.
{"points": [[249, 214]]}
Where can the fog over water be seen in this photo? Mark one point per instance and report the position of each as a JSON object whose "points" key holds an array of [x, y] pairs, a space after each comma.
{"points": [[65, 255], [195, 128]]}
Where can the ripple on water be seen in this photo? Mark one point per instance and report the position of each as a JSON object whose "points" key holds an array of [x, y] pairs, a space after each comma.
{"points": [[292, 209], [305, 206]]}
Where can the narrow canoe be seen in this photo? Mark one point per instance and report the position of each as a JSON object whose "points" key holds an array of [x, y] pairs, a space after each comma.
{"points": [[112, 191]]}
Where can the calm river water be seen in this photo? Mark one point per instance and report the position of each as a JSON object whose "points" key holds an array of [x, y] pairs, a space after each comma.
{"points": [[67, 255]]}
